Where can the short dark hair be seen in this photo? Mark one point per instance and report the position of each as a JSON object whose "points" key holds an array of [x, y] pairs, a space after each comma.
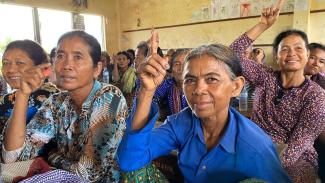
{"points": [[131, 52], [53, 53], [33, 50], [178, 52], [221, 53], [127, 56], [285, 34], [106, 55], [144, 47], [313, 46], [94, 46]]}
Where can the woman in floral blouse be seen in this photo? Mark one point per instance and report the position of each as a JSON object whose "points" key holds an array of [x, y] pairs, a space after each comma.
{"points": [[18, 57], [287, 106], [86, 122]]}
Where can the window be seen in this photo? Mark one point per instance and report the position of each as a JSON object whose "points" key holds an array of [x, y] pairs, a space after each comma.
{"points": [[94, 26], [16, 23], [53, 24]]}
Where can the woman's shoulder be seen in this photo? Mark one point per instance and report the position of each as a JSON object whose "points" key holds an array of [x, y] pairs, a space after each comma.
{"points": [[250, 134], [109, 89], [49, 87], [313, 94], [312, 91], [183, 120], [109, 94]]}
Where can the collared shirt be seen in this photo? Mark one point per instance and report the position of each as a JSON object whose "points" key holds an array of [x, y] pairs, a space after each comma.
{"points": [[86, 142], [244, 151], [293, 116]]}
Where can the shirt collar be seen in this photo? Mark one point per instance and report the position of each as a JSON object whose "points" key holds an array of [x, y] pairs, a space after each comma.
{"points": [[228, 141], [87, 102]]}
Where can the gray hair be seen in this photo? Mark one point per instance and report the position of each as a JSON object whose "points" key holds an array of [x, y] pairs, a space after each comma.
{"points": [[220, 53]]}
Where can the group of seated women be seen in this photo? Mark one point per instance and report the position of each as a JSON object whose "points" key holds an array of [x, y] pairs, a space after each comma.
{"points": [[86, 131]]}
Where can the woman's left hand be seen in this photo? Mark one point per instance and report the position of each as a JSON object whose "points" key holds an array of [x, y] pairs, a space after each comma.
{"points": [[271, 14]]}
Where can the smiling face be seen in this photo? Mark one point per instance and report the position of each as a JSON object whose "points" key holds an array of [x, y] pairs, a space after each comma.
{"points": [[316, 62], [208, 87], [123, 62], [14, 62], [292, 54], [74, 66]]}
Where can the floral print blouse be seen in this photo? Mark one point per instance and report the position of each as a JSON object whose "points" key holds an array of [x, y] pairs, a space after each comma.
{"points": [[86, 143], [3, 86], [293, 116], [34, 103]]}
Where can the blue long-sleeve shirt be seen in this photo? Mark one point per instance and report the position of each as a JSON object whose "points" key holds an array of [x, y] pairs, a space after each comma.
{"points": [[244, 151], [165, 92]]}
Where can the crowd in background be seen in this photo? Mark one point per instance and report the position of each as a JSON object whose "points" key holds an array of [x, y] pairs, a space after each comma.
{"points": [[92, 115]]}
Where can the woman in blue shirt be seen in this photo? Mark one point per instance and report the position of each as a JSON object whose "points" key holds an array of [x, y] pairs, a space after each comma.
{"points": [[215, 143]]}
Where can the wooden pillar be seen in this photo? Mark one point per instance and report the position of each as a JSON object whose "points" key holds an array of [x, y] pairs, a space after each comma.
{"points": [[301, 16]]}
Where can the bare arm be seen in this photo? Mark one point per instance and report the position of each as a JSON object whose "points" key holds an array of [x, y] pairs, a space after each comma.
{"points": [[15, 133], [268, 18], [116, 76]]}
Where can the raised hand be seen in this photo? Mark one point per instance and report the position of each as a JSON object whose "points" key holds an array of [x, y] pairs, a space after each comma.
{"points": [[271, 14], [33, 78], [115, 59], [152, 72]]}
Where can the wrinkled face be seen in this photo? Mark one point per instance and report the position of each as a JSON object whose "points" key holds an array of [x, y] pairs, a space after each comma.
{"points": [[177, 68], [208, 87], [123, 61], [292, 54], [14, 62], [168, 56], [139, 57], [316, 62], [74, 66]]}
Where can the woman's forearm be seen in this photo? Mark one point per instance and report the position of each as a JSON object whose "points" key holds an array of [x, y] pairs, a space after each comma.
{"points": [[256, 31], [16, 130], [116, 76]]}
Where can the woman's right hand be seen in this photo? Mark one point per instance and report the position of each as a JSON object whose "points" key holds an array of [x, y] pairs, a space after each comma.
{"points": [[152, 72], [114, 58], [33, 78], [271, 14]]}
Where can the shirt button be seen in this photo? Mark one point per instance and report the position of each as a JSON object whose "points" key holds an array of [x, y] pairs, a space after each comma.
{"points": [[204, 167]]}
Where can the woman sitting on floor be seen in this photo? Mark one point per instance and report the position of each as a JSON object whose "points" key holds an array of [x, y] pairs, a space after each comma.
{"points": [[86, 122], [289, 107], [215, 143]]}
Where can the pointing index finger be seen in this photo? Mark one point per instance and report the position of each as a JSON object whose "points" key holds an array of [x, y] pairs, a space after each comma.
{"points": [[154, 41], [279, 4], [46, 69]]}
